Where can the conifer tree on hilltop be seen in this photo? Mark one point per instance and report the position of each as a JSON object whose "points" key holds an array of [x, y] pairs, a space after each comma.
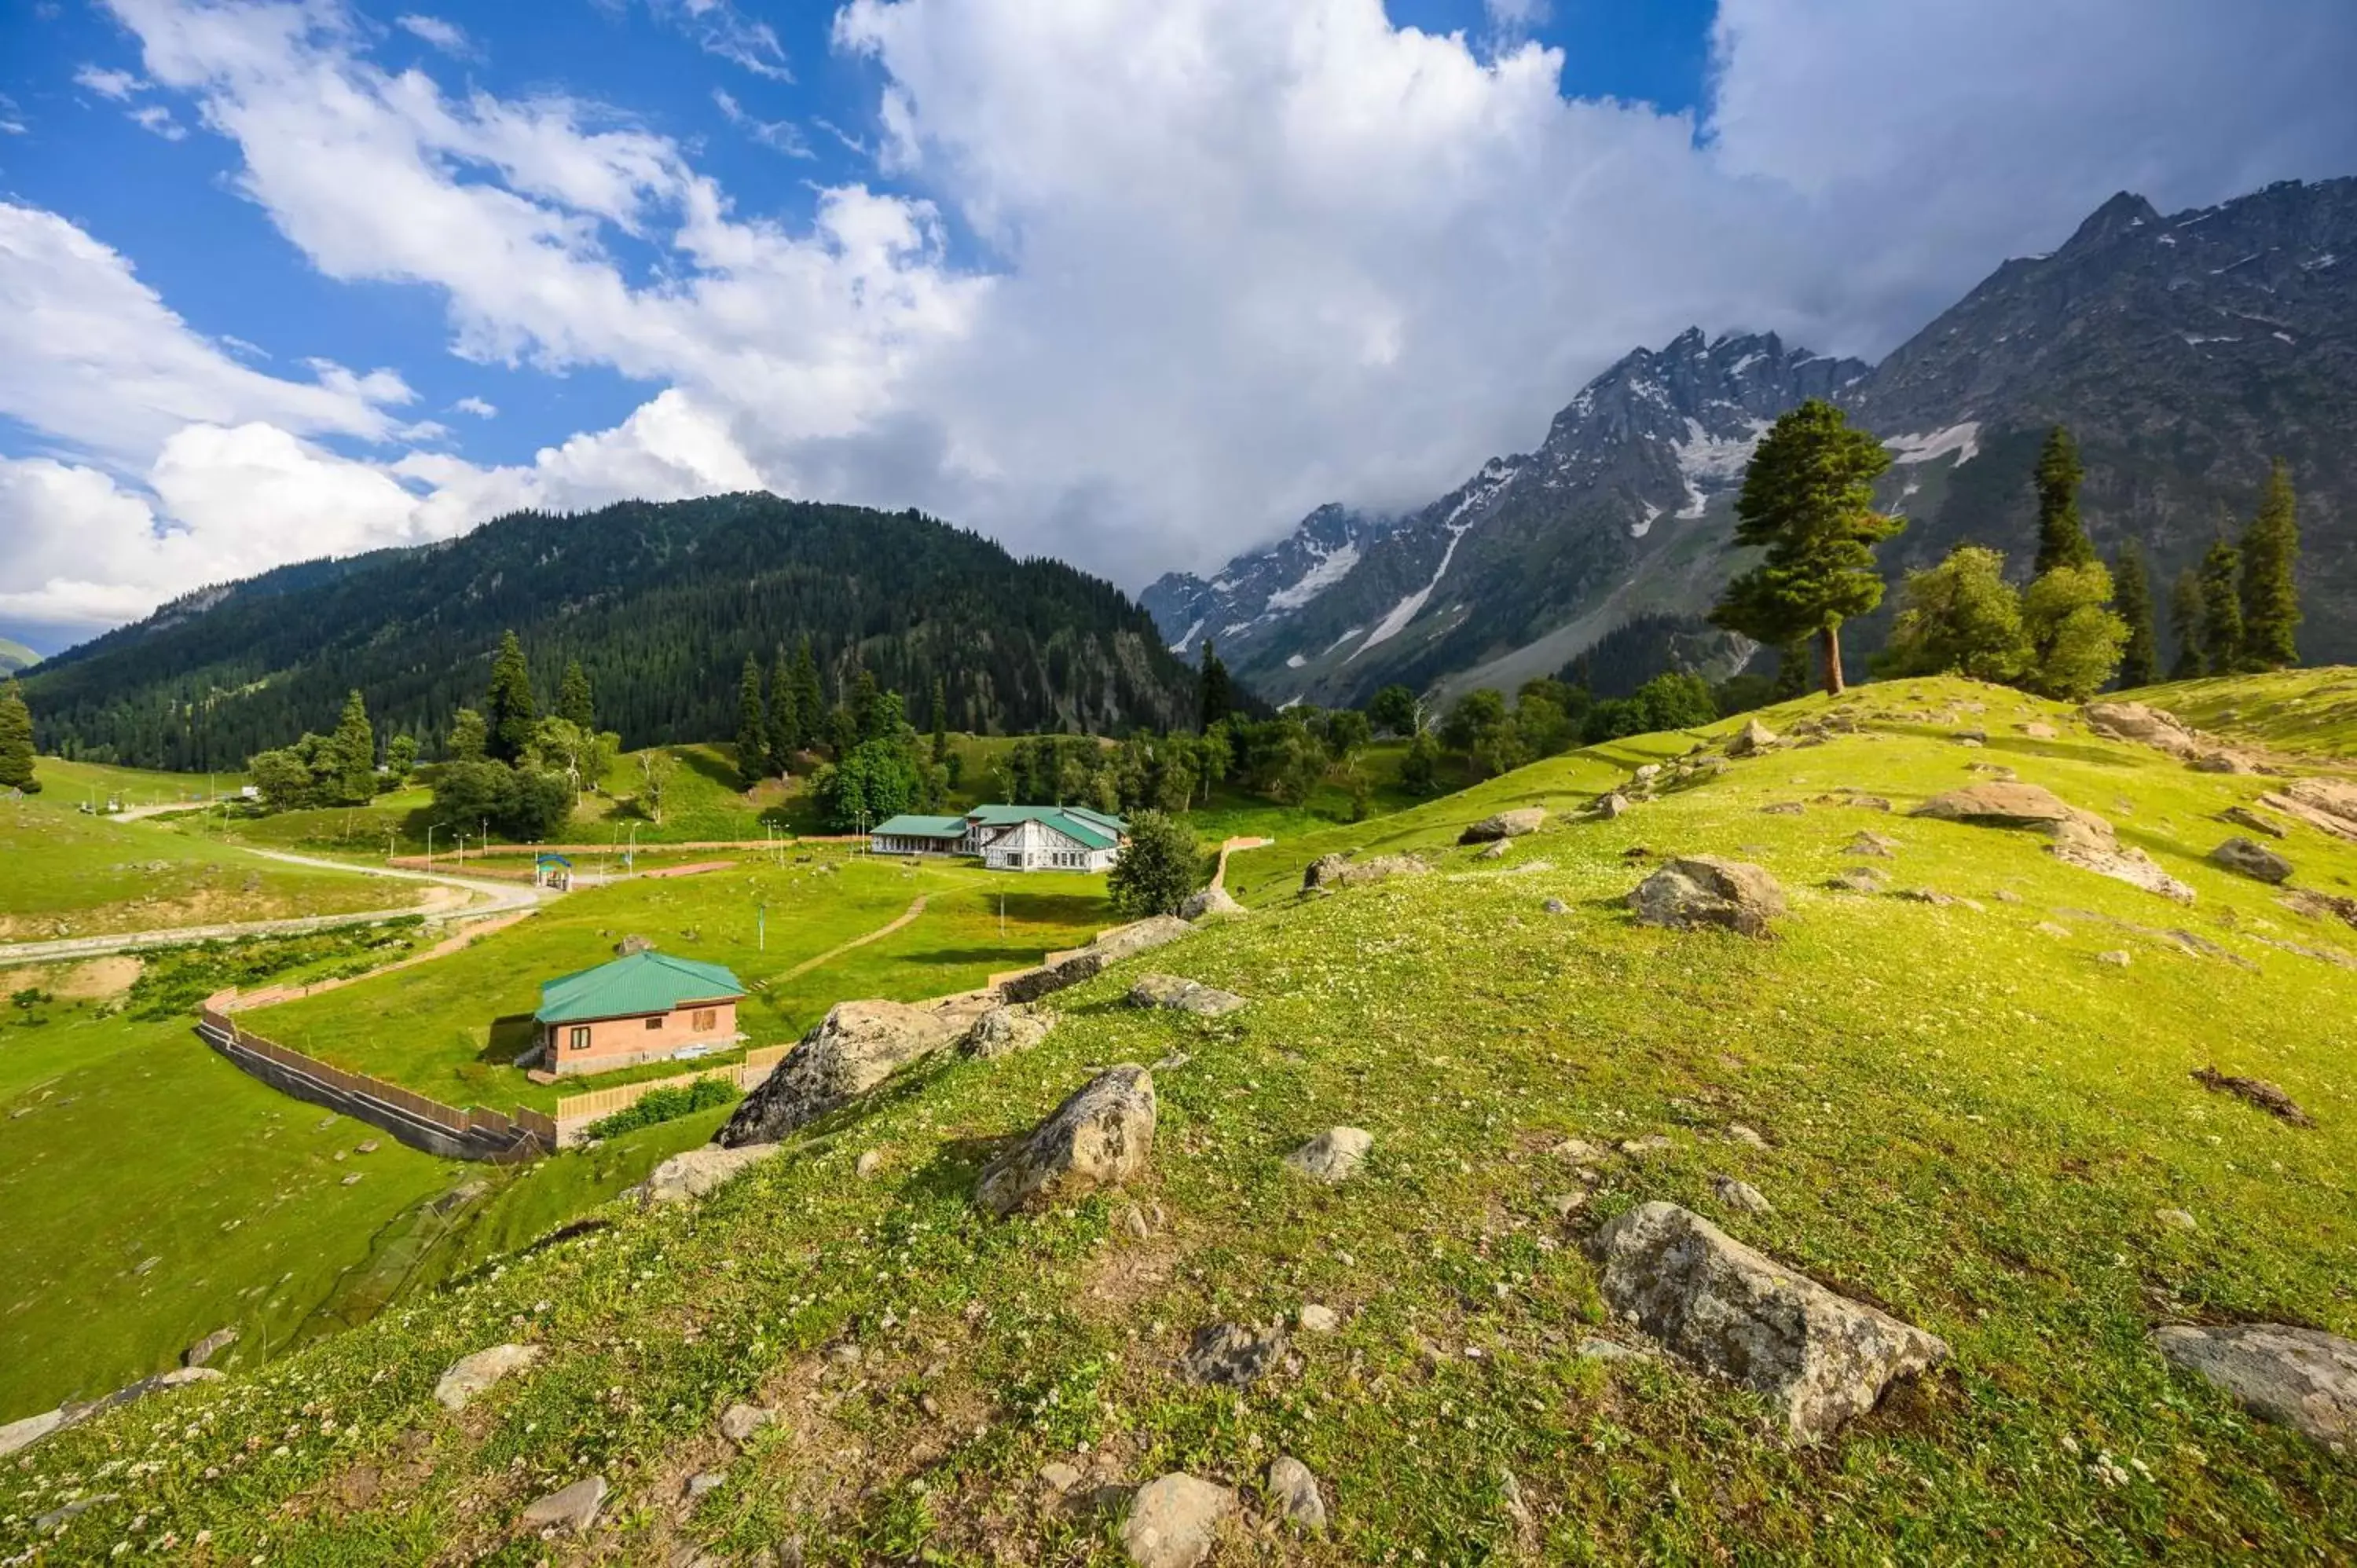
{"points": [[16, 741], [810, 698], [1808, 500], [752, 725], [2132, 589], [2270, 562], [783, 720], [2222, 609], [2185, 624], [2061, 538], [574, 704], [508, 708]]}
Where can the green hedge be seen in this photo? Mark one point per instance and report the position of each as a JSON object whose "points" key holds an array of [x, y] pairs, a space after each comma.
{"points": [[665, 1105]]}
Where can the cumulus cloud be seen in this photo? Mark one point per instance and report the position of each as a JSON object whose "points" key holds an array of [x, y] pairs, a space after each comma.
{"points": [[475, 406], [433, 31], [1236, 258], [118, 85]]}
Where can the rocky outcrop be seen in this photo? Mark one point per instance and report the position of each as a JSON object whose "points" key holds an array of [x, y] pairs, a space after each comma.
{"points": [[2005, 804], [1720, 1305], [573, 1509], [2299, 1378], [1752, 739], [2250, 859], [1102, 1136], [2327, 804], [1175, 1520], [1212, 903], [1510, 824], [856, 1047], [1231, 1355], [2268, 1097], [1700, 890], [1333, 1156], [1005, 1030], [1182, 996], [695, 1172], [471, 1376], [24, 1434], [2140, 725], [1341, 871], [1111, 946]]}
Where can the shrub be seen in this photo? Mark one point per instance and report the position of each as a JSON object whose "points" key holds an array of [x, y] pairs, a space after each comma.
{"points": [[665, 1105], [1157, 870]]}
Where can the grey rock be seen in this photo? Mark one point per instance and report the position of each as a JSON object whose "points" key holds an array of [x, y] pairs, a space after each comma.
{"points": [[1872, 845], [2118, 958], [869, 1161], [470, 1375], [1175, 1520], [1555, 907], [210, 1346], [1293, 1495], [1333, 1156], [1139, 937], [1007, 1030], [1510, 824], [1610, 806], [1101, 1136], [629, 945], [1699, 890], [738, 1423], [856, 1047], [2252, 859], [1341, 871], [692, 1172], [1034, 983], [24, 1434], [2244, 817], [702, 1483], [573, 1509], [1231, 1355], [2007, 805], [2300, 1377], [1317, 1319], [2143, 726], [1182, 996], [1717, 1303], [1494, 851], [1753, 738], [2128, 864], [1059, 1477], [1857, 879], [1744, 1136], [1784, 808], [1209, 904], [1595, 1348], [1740, 1196]]}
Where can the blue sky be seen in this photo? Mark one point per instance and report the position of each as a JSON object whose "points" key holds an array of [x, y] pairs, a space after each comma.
{"points": [[1134, 283]]}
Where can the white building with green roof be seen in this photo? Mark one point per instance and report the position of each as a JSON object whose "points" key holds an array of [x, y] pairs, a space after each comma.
{"points": [[1011, 838]]}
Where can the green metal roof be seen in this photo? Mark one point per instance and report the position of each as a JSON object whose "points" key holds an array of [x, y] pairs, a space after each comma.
{"points": [[1094, 829], [908, 825], [628, 987]]}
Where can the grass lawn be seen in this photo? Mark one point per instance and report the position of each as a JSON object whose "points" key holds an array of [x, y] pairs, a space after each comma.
{"points": [[71, 875], [153, 1193], [1967, 1119], [2304, 712], [70, 784], [452, 1029]]}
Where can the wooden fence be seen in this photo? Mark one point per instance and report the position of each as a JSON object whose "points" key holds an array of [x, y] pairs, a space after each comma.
{"points": [[474, 1133], [575, 1112]]}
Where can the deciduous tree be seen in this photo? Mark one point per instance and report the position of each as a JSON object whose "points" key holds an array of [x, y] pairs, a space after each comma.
{"points": [[1158, 869], [1959, 616]]}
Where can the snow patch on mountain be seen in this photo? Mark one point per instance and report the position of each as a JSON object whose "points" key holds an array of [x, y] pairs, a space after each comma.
{"points": [[1643, 525], [1963, 440], [1185, 641], [1331, 568]]}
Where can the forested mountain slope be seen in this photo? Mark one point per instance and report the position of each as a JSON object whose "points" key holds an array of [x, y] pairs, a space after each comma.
{"points": [[660, 603]]}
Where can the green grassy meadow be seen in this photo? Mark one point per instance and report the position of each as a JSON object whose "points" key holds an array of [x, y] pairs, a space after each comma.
{"points": [[453, 1028], [1967, 1117], [2303, 712], [76, 875]]}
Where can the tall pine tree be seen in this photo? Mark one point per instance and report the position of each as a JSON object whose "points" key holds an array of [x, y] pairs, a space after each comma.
{"points": [[941, 720], [1808, 499], [2131, 595], [508, 707], [784, 723], [2185, 624], [752, 725], [16, 741], [574, 704], [2222, 609], [1219, 690], [2061, 537], [2270, 561], [810, 698], [352, 753]]}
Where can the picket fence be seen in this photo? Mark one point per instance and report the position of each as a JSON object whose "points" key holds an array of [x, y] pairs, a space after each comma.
{"points": [[575, 1112]]}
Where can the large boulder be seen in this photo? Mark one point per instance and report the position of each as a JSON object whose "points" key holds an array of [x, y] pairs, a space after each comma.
{"points": [[1753, 738], [1341, 871], [1099, 1137], [1822, 1358], [2328, 804], [1005, 1030], [1504, 825], [1699, 890], [2143, 726], [1033, 983], [856, 1047], [2097, 853], [695, 1172], [1140, 936], [2299, 1378], [1175, 1520], [2252, 859], [1182, 996], [1210, 904], [2005, 803]]}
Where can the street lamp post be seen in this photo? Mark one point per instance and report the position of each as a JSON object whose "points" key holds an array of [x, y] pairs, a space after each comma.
{"points": [[431, 829]]}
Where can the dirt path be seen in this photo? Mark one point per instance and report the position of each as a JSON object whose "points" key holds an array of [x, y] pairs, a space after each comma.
{"points": [[877, 935], [480, 898], [1219, 876]]}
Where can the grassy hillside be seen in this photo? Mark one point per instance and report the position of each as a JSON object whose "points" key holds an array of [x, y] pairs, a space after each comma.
{"points": [[70, 875], [1968, 1115], [2304, 712]]}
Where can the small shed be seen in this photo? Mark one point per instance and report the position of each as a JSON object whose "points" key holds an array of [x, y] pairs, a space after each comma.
{"points": [[642, 1007]]}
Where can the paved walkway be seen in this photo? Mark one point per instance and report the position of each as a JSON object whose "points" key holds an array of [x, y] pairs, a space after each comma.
{"points": [[490, 899]]}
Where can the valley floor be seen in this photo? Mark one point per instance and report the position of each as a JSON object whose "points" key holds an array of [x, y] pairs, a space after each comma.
{"points": [[1971, 1112]]}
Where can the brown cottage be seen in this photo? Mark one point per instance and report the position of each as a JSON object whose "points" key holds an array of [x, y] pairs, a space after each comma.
{"points": [[644, 1007]]}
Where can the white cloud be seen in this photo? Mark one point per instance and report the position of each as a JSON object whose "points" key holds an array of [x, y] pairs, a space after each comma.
{"points": [[156, 118], [475, 406], [779, 135], [720, 29], [448, 36], [118, 85], [1240, 257]]}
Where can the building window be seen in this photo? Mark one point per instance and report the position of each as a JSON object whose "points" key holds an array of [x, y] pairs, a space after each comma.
{"points": [[655, 1023], [578, 1037], [707, 1017]]}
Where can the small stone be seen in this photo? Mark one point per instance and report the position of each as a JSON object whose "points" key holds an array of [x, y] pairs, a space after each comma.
{"points": [[573, 1509], [1332, 1156], [1504, 825], [1746, 1135], [1594, 1348], [702, 1482], [1613, 805], [470, 1375], [1579, 1151], [846, 1356], [1857, 879], [1175, 1520], [1293, 1493], [2048, 928], [1784, 808], [2038, 731], [366, 1146], [2175, 1218], [1740, 1196], [1752, 739], [1060, 1477], [1005, 1030], [1183, 995], [2252, 859], [1555, 907], [1873, 845], [695, 1172], [1641, 1148], [869, 1161], [1494, 851], [1231, 1355], [1567, 1204], [738, 1423], [353, 1179], [2117, 958], [1316, 1319]]}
